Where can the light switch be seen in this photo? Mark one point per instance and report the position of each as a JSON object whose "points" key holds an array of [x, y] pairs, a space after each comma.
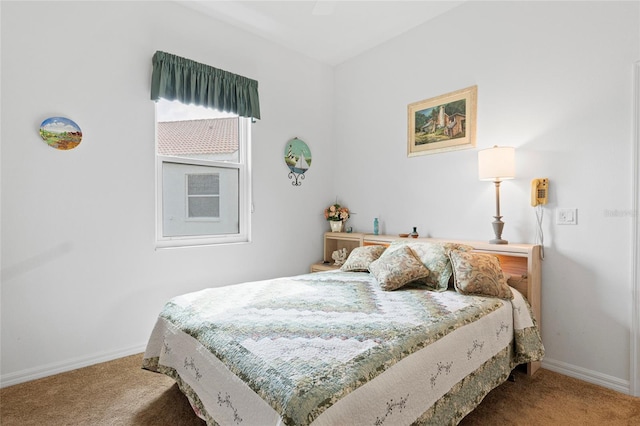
{"points": [[566, 216]]}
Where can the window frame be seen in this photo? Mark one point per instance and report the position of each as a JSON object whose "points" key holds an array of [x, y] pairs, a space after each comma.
{"points": [[244, 193]]}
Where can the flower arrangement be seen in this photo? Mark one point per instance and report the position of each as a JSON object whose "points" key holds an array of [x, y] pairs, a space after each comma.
{"points": [[336, 213]]}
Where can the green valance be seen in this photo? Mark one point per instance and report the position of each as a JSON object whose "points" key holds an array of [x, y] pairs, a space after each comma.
{"points": [[190, 82]]}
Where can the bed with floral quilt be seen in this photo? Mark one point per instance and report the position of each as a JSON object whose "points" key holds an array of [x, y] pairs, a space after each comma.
{"points": [[385, 340]]}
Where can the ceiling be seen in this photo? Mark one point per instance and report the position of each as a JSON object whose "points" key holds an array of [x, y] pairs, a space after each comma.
{"points": [[326, 30]]}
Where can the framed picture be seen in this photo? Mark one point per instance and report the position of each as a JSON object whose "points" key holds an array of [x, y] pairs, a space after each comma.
{"points": [[444, 123]]}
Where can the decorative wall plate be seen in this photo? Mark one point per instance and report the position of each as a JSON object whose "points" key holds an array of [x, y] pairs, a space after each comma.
{"points": [[297, 157], [60, 133]]}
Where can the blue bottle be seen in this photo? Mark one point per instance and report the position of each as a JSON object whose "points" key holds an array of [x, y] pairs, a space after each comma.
{"points": [[375, 226]]}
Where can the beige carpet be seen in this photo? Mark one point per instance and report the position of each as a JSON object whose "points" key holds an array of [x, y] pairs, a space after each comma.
{"points": [[121, 393]]}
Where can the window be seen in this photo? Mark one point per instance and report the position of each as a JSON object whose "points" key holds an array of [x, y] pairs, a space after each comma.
{"points": [[202, 155], [202, 160]]}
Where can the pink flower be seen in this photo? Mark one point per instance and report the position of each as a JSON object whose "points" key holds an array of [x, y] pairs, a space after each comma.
{"points": [[336, 212]]}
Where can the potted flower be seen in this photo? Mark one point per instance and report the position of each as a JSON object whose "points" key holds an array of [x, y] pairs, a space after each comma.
{"points": [[336, 215]]}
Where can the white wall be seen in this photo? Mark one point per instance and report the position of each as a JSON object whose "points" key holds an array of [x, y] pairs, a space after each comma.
{"points": [[81, 279], [555, 81]]}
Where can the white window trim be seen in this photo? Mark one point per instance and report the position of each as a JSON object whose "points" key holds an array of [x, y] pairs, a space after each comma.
{"points": [[244, 167]]}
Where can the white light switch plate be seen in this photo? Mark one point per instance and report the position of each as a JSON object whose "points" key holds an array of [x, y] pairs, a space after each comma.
{"points": [[566, 216]]}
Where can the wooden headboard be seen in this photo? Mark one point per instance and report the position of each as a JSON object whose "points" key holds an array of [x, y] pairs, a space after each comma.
{"points": [[521, 261]]}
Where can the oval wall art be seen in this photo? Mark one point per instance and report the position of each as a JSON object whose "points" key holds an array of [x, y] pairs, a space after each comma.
{"points": [[297, 156], [60, 133]]}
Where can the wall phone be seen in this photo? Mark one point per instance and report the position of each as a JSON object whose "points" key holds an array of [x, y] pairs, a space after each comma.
{"points": [[539, 191]]}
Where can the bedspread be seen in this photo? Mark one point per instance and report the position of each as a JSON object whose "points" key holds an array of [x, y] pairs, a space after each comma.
{"points": [[305, 344]]}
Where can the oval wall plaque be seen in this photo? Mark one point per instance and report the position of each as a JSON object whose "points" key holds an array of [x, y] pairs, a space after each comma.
{"points": [[297, 156], [60, 133]]}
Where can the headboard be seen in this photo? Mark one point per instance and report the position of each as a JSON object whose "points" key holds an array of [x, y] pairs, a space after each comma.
{"points": [[521, 261]]}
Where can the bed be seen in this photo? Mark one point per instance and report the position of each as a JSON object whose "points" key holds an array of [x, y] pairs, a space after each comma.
{"points": [[344, 347]]}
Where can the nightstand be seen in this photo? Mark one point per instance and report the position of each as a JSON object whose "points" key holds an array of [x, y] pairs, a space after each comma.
{"points": [[321, 266], [336, 241]]}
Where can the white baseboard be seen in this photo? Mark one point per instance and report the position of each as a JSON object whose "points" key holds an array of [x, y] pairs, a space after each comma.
{"points": [[586, 375], [61, 367]]}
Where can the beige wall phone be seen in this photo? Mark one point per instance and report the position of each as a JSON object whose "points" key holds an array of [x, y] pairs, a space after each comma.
{"points": [[539, 191], [539, 197]]}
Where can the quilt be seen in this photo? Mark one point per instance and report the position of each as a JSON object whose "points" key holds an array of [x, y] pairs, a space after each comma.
{"points": [[334, 348]]}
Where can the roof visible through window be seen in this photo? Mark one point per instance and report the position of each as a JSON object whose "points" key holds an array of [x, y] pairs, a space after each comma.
{"points": [[196, 132]]}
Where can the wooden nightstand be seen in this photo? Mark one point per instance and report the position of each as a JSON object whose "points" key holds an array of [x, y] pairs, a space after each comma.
{"points": [[336, 241], [321, 266]]}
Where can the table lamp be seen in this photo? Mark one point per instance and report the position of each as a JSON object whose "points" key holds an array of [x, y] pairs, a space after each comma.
{"points": [[497, 164]]}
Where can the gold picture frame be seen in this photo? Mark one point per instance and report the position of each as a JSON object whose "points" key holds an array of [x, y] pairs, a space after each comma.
{"points": [[444, 123]]}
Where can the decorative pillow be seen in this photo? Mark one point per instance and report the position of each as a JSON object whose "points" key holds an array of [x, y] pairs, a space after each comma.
{"points": [[479, 274], [361, 257], [435, 257], [396, 268]]}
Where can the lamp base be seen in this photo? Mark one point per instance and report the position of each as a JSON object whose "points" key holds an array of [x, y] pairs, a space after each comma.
{"points": [[497, 230], [498, 241]]}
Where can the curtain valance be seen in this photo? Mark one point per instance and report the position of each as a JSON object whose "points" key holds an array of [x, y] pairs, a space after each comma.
{"points": [[190, 82]]}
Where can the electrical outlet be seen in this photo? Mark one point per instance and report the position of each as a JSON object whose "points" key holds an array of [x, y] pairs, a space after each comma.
{"points": [[566, 216]]}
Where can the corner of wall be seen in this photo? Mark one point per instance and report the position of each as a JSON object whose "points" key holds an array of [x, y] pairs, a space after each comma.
{"points": [[634, 373]]}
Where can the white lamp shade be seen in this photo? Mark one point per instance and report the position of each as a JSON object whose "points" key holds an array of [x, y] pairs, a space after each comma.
{"points": [[497, 163]]}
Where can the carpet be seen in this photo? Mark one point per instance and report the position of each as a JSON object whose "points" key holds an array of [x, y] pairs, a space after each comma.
{"points": [[119, 392]]}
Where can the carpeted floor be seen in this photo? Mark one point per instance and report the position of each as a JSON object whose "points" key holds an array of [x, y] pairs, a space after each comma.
{"points": [[121, 393]]}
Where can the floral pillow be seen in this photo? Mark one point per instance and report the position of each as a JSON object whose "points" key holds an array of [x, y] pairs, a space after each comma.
{"points": [[479, 274], [361, 257], [398, 267], [435, 257]]}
